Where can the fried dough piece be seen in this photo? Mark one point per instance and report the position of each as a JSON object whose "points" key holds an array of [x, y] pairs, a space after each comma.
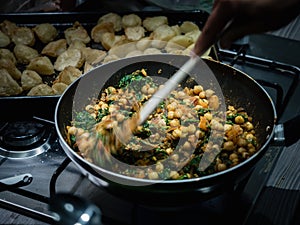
{"points": [[23, 35], [163, 33], [55, 48], [7, 27], [151, 23], [87, 67], [194, 34], [46, 32], [188, 26], [135, 33], [24, 53], [110, 39], [8, 86], [68, 75], [77, 44], [150, 51], [110, 58], [10, 68], [93, 56], [176, 29], [114, 18], [122, 50], [77, 32], [42, 65], [59, 88], [100, 29], [134, 53], [7, 54], [70, 57], [131, 20], [143, 43], [30, 79], [40, 90], [4, 40], [181, 40]]}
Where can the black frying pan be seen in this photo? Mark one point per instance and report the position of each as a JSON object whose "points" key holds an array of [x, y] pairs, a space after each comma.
{"points": [[238, 89]]}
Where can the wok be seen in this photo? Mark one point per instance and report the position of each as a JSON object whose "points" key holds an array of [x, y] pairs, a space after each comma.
{"points": [[238, 89]]}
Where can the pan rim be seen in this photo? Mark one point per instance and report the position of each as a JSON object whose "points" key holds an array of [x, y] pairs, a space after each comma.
{"points": [[142, 181]]}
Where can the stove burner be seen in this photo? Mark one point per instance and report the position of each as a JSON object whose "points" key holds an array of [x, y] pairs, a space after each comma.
{"points": [[23, 139]]}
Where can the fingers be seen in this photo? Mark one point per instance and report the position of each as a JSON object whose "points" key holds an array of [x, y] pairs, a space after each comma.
{"points": [[218, 20]]}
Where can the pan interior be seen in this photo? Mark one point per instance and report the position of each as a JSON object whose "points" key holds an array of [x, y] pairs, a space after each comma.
{"points": [[237, 88]]}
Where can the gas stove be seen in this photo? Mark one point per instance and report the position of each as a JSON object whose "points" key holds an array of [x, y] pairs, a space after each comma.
{"points": [[34, 168]]}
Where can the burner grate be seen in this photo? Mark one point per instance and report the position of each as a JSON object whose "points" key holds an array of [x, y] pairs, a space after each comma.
{"points": [[23, 139]]}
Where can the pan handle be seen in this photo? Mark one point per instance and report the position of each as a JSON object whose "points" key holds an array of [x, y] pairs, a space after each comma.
{"points": [[291, 131]]}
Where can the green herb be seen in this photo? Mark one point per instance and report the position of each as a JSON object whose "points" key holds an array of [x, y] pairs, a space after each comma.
{"points": [[84, 120]]}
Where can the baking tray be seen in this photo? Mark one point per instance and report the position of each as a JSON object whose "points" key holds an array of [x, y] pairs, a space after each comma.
{"points": [[44, 106]]}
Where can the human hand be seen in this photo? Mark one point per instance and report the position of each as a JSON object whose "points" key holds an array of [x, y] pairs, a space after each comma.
{"points": [[233, 19]]}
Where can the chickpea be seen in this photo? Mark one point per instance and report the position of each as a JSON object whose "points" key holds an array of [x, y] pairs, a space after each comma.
{"points": [[175, 157], [153, 175], [89, 108], [245, 155], [171, 115], [221, 167], [230, 108], [200, 134], [120, 117], [209, 93], [227, 127], [111, 90], [241, 150], [208, 116], [228, 145], [249, 126], [176, 133], [145, 89], [72, 130], [216, 125], [184, 129], [233, 156], [174, 123], [151, 91], [186, 146], [140, 174], [96, 107], [198, 107], [235, 161], [242, 142], [197, 89], [218, 161], [169, 151], [249, 137], [123, 101], [239, 120], [214, 102], [202, 94], [252, 150], [172, 106], [191, 128], [159, 167], [180, 95], [104, 106], [178, 113], [174, 175]]}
